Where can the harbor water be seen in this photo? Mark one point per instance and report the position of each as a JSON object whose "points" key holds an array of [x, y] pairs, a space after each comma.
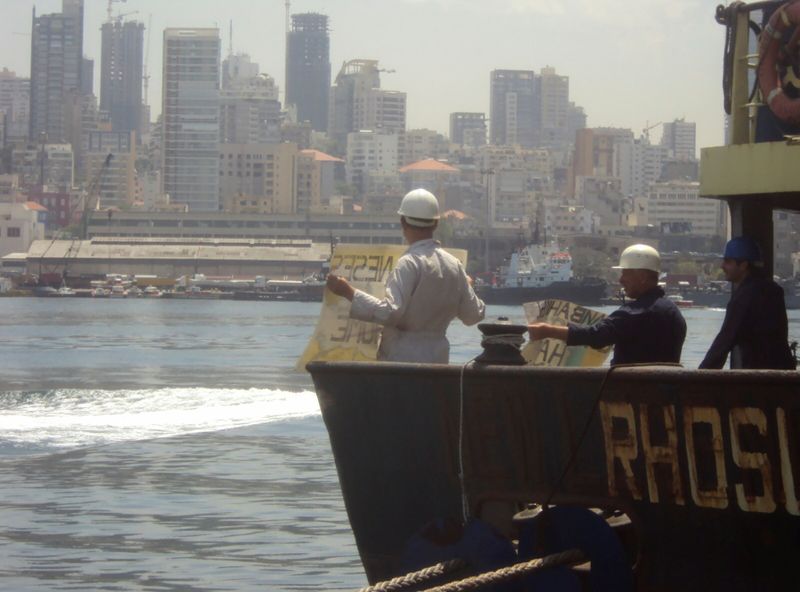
{"points": [[170, 445]]}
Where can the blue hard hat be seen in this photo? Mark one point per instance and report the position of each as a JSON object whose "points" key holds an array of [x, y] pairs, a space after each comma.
{"points": [[742, 248]]}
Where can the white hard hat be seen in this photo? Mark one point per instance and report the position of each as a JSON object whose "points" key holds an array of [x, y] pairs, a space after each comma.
{"points": [[639, 257], [420, 208]]}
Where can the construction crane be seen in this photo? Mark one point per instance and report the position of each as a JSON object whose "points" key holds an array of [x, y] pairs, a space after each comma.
{"points": [[120, 15], [647, 128], [110, 9], [91, 200]]}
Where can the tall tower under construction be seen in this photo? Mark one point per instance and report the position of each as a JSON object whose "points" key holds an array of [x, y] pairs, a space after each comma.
{"points": [[121, 74], [308, 68]]}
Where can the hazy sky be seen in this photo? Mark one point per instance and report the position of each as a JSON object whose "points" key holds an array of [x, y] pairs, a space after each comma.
{"points": [[629, 63]]}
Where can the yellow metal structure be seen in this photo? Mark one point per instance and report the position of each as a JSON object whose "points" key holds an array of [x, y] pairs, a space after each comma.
{"points": [[754, 178], [767, 170]]}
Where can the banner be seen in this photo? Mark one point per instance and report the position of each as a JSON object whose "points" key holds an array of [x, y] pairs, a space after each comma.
{"points": [[337, 337], [554, 352]]}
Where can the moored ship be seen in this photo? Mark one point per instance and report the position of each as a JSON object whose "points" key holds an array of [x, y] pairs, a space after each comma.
{"points": [[540, 272]]}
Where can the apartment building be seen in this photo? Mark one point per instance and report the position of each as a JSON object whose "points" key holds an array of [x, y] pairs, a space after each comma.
{"points": [[190, 117], [370, 151], [20, 225], [112, 181], [676, 207], [258, 178]]}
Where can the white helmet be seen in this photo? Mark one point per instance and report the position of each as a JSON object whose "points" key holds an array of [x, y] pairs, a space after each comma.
{"points": [[420, 208], [639, 257]]}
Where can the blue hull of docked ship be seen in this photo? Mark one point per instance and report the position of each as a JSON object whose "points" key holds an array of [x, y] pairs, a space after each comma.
{"points": [[584, 293]]}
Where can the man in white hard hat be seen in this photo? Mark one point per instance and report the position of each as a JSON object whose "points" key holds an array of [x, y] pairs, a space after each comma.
{"points": [[650, 329], [427, 289]]}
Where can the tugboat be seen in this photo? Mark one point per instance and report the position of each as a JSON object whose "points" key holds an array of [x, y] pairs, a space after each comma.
{"points": [[540, 272], [703, 466]]}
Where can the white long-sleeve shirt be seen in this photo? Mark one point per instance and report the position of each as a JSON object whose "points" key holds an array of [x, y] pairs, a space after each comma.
{"points": [[427, 289]]}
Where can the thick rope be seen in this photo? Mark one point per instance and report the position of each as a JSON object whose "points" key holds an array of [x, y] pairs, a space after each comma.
{"points": [[513, 339], [416, 578], [571, 557]]}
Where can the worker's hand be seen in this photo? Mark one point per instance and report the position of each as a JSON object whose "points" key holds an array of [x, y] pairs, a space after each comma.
{"points": [[340, 286], [536, 331], [470, 280]]}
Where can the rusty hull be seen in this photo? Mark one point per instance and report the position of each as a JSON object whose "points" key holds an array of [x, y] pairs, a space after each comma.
{"points": [[706, 463]]}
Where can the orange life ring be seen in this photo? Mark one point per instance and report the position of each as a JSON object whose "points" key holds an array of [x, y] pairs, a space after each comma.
{"points": [[784, 107]]}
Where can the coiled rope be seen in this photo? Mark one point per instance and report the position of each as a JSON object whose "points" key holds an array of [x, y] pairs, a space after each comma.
{"points": [[570, 557], [511, 339]]}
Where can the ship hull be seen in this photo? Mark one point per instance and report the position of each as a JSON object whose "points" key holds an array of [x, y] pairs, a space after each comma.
{"points": [[705, 463], [587, 294]]}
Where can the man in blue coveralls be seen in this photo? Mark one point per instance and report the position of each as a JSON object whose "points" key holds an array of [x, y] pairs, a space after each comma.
{"points": [[755, 330], [648, 330]]}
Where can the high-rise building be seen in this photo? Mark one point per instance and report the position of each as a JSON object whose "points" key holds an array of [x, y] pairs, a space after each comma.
{"points": [[576, 120], [115, 177], [121, 63], [679, 138], [638, 164], [190, 112], [249, 113], [554, 110], [250, 110], [15, 99], [56, 69], [87, 76], [308, 68], [357, 103], [514, 108], [238, 68], [601, 152], [468, 129]]}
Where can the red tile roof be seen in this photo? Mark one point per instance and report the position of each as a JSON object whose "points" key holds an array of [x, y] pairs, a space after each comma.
{"points": [[429, 164], [457, 214], [320, 156], [32, 205]]}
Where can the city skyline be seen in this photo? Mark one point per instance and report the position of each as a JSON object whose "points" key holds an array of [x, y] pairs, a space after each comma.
{"points": [[519, 34]]}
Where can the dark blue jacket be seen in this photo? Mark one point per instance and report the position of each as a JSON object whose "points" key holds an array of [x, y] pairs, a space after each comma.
{"points": [[650, 329], [755, 323]]}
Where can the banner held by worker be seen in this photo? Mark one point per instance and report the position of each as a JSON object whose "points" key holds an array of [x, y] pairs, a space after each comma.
{"points": [[337, 337], [554, 352]]}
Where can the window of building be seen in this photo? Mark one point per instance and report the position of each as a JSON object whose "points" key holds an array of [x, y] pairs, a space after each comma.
{"points": [[13, 232]]}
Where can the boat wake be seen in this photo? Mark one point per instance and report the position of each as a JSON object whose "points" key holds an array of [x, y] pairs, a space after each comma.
{"points": [[65, 419]]}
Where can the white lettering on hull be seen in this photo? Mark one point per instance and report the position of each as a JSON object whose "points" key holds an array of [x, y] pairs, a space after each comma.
{"points": [[751, 481]]}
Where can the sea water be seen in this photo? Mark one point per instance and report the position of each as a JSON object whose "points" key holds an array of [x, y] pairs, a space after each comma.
{"points": [[170, 445]]}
